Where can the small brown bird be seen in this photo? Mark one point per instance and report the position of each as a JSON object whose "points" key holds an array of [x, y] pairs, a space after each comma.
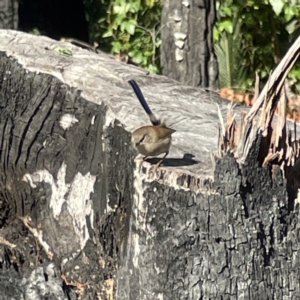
{"points": [[151, 140]]}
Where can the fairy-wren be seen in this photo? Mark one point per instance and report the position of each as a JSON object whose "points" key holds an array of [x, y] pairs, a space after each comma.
{"points": [[154, 139]]}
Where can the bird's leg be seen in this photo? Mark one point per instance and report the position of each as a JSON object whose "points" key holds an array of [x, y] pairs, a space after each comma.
{"points": [[141, 163], [154, 168], [161, 161]]}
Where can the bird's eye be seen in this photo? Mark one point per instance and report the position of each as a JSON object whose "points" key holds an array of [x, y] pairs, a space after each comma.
{"points": [[140, 141]]}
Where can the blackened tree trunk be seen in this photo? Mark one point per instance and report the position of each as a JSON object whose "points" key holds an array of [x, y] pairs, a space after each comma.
{"points": [[187, 52], [8, 14]]}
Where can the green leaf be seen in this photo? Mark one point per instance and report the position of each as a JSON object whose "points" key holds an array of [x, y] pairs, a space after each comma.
{"points": [[226, 25], [132, 53], [134, 7], [35, 31], [216, 34], [295, 73], [108, 33], [123, 26], [63, 51], [158, 43], [150, 3], [130, 28], [116, 47], [119, 20], [119, 9], [264, 74], [152, 68], [101, 20], [138, 57], [148, 53], [277, 6], [127, 7], [227, 10], [289, 12], [291, 26]]}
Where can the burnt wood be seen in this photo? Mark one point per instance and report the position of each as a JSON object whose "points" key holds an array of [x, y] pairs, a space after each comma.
{"points": [[75, 203]]}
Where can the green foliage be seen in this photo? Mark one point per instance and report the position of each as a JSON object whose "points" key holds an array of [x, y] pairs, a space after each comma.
{"points": [[35, 31], [128, 28], [258, 34], [250, 35], [231, 69]]}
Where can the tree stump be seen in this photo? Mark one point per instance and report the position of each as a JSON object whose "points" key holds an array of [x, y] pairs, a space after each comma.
{"points": [[81, 219]]}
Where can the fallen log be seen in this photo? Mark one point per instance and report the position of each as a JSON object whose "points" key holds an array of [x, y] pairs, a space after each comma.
{"points": [[207, 224]]}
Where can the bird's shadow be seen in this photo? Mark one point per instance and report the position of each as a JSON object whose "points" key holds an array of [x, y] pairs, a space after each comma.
{"points": [[187, 160]]}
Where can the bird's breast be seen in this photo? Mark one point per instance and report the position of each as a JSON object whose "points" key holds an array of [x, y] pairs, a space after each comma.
{"points": [[154, 148]]}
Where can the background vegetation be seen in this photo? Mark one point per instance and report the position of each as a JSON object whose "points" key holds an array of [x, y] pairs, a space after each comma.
{"points": [[127, 28], [250, 35]]}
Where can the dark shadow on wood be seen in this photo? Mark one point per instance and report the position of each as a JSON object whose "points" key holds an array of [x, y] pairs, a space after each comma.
{"points": [[187, 160]]}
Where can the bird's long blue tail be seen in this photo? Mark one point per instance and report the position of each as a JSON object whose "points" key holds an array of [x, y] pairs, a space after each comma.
{"points": [[143, 102]]}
